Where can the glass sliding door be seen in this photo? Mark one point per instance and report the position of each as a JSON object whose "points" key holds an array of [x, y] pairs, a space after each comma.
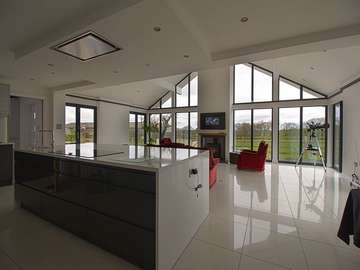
{"points": [[70, 124], [80, 124], [337, 136], [315, 114], [289, 134], [242, 129], [137, 134], [262, 129]]}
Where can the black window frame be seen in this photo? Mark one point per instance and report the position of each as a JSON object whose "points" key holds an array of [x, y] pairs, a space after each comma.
{"points": [[189, 121], [301, 134], [340, 103], [301, 86], [77, 120], [137, 127], [252, 85], [252, 129]]}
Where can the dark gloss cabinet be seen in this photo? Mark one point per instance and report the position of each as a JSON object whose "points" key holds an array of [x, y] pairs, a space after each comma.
{"points": [[114, 208], [6, 164]]}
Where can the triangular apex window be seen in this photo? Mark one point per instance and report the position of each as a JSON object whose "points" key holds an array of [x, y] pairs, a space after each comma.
{"points": [[186, 94], [290, 90]]}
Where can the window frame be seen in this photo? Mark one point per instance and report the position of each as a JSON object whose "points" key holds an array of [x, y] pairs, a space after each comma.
{"points": [[325, 154], [136, 126], [252, 129], [189, 121], [253, 66], [340, 103], [188, 78], [77, 120], [301, 86]]}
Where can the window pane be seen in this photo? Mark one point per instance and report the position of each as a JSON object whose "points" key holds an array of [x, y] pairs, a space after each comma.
{"points": [[315, 115], [262, 129], [156, 105], [242, 126], [87, 129], [288, 90], [193, 129], [132, 118], [242, 83], [182, 128], [337, 137], [182, 93], [166, 102], [154, 129], [289, 134], [141, 131], [262, 85], [308, 94], [166, 125], [70, 124], [194, 89]]}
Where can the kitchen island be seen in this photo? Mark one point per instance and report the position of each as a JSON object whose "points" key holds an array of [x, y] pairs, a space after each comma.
{"points": [[143, 204]]}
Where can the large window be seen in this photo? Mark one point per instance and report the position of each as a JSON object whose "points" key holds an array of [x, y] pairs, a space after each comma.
{"points": [[251, 127], [187, 91], [154, 136], [293, 133], [137, 134], [252, 84], [186, 128], [337, 136], [290, 90], [289, 134], [80, 124], [166, 125]]}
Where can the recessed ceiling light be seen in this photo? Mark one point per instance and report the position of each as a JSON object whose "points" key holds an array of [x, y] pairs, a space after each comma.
{"points": [[53, 73], [157, 28], [115, 71], [244, 19], [312, 68], [147, 65], [186, 56], [32, 79], [51, 65], [86, 46]]}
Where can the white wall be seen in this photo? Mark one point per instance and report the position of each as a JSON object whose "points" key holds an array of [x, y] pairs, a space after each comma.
{"points": [[112, 119], [351, 126]]}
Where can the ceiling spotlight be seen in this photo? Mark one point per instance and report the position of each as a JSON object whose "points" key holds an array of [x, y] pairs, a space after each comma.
{"points": [[53, 73], [32, 79], [147, 65], [157, 28], [51, 65], [115, 71], [312, 68], [244, 19], [186, 56]]}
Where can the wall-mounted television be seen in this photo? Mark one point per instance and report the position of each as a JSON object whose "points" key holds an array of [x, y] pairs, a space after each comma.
{"points": [[212, 120]]}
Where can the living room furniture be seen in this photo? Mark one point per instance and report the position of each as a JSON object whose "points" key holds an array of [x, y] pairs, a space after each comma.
{"points": [[213, 161], [253, 160], [234, 156]]}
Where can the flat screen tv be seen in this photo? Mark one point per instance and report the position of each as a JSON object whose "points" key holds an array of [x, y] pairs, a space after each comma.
{"points": [[212, 121]]}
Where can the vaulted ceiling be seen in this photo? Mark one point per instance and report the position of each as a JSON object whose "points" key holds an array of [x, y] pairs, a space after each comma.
{"points": [[210, 32]]}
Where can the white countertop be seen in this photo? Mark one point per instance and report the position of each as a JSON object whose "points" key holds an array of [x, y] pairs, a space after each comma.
{"points": [[128, 156]]}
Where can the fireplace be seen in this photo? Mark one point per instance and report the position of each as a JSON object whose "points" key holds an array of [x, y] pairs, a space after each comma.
{"points": [[216, 142]]}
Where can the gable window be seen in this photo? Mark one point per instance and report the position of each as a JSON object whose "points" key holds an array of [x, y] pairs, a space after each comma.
{"points": [[187, 91], [252, 84], [166, 101], [290, 90]]}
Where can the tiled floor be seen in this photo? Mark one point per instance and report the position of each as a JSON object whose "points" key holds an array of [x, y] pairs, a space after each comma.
{"points": [[281, 219]]}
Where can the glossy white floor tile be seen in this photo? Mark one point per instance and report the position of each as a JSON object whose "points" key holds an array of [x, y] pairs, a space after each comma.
{"points": [[284, 218]]}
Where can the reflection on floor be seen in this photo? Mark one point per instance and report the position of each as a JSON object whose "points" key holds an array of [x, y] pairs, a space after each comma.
{"points": [[281, 219]]}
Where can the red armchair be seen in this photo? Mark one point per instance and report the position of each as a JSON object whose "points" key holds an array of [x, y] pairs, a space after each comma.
{"points": [[253, 160], [213, 161]]}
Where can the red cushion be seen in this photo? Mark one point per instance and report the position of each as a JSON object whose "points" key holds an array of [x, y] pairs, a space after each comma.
{"points": [[165, 142]]}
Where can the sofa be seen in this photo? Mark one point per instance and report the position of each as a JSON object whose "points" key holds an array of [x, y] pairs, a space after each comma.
{"points": [[253, 160], [213, 161]]}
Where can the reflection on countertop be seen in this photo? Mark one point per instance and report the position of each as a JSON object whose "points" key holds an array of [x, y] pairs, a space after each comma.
{"points": [[140, 156]]}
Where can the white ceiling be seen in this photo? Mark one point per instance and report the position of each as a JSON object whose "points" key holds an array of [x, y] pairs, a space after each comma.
{"points": [[325, 71], [143, 93], [209, 31]]}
